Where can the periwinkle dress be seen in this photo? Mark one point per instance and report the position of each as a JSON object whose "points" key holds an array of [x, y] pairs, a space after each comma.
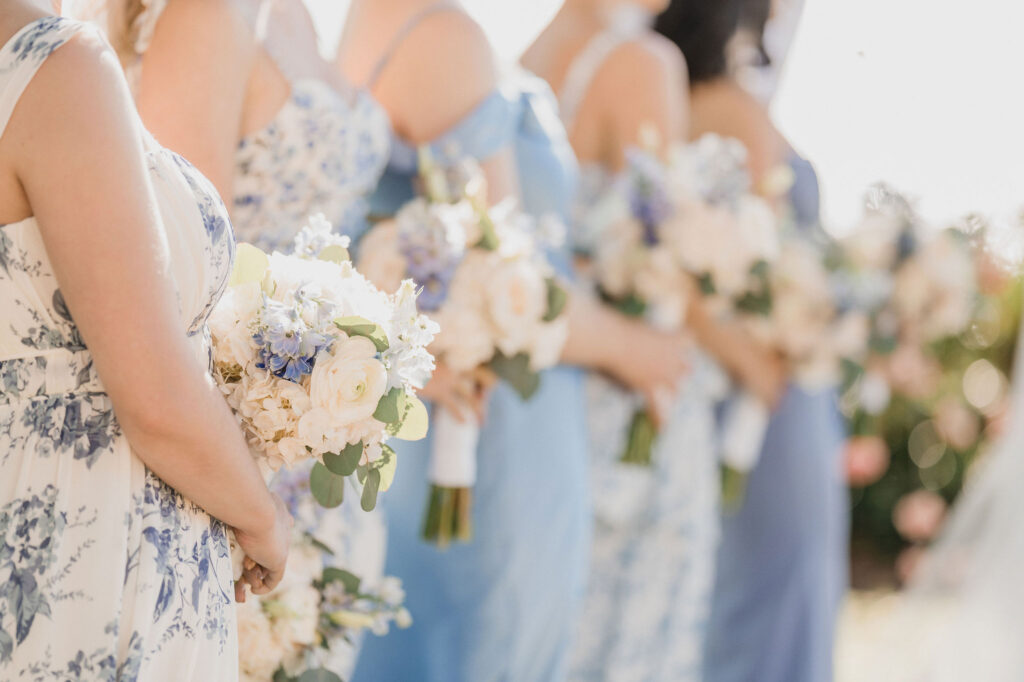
{"points": [[504, 606], [782, 563]]}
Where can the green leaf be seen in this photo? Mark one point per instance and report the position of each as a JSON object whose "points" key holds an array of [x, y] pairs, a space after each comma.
{"points": [[488, 236], [349, 580], [391, 407], [706, 284], [361, 473], [345, 462], [386, 466], [557, 299], [360, 326], [370, 490], [415, 422], [327, 487], [281, 676], [250, 265], [516, 373], [631, 306], [319, 675], [319, 545], [334, 254]]}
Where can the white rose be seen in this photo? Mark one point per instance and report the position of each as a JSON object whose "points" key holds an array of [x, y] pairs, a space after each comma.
{"points": [[464, 341], [299, 611], [349, 380], [518, 299], [314, 429], [259, 652], [380, 259]]}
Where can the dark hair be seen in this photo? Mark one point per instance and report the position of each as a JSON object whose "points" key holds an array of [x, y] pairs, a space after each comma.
{"points": [[702, 30]]}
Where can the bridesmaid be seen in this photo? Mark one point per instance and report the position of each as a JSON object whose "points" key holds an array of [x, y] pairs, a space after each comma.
{"points": [[111, 566], [286, 139], [656, 534], [503, 606], [782, 563]]}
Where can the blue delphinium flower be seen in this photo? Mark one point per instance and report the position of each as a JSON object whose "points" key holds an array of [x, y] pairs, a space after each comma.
{"points": [[648, 193], [288, 346], [433, 250]]}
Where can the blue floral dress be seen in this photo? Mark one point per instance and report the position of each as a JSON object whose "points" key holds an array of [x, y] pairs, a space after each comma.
{"points": [[321, 153], [504, 606], [106, 573]]}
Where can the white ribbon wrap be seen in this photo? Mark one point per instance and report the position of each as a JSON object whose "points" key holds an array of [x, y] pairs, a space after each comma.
{"points": [[453, 458], [743, 429]]}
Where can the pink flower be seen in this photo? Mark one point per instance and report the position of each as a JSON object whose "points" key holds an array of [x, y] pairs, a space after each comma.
{"points": [[867, 459], [918, 515]]}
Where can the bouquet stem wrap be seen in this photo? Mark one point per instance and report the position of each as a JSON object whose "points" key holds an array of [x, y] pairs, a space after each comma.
{"points": [[452, 477], [743, 429]]}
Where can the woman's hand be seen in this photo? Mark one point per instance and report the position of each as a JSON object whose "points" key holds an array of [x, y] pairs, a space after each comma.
{"points": [[266, 552], [464, 394], [653, 365]]}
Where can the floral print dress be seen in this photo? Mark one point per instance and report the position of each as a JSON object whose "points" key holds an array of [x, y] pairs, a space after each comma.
{"points": [[321, 153], [106, 573]]}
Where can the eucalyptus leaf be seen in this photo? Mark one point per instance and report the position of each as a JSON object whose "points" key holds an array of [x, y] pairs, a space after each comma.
{"points": [[415, 422], [334, 254], [557, 299], [488, 236], [319, 675], [370, 490], [360, 326], [391, 407], [327, 487], [516, 372], [250, 265], [345, 462], [386, 466], [349, 580]]}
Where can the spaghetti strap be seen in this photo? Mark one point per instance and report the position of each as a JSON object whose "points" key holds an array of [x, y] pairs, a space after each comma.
{"points": [[584, 68], [408, 27], [24, 53]]}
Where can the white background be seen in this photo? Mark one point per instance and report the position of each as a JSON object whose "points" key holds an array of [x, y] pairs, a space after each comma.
{"points": [[925, 94]]}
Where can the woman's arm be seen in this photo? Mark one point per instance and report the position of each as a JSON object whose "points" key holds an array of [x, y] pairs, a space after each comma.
{"points": [[194, 84], [81, 162]]}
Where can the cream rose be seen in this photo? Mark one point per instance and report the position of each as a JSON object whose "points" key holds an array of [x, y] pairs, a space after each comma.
{"points": [[380, 260], [259, 652], [349, 380], [518, 300]]}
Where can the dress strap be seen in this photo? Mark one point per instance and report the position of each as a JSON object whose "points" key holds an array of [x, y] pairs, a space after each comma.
{"points": [[24, 53], [408, 27], [584, 68]]}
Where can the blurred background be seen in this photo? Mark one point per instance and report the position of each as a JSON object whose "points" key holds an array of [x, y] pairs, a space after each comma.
{"points": [[918, 94]]}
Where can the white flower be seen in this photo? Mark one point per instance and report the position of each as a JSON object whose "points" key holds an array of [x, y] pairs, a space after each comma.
{"points": [[465, 341], [295, 612], [517, 295], [348, 381], [391, 590], [259, 652], [380, 259], [229, 325]]}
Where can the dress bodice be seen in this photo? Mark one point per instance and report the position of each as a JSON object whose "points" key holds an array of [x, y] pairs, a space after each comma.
{"points": [[522, 115], [36, 320], [322, 152]]}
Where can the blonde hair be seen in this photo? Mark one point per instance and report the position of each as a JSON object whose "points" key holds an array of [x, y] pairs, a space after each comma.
{"points": [[119, 18]]}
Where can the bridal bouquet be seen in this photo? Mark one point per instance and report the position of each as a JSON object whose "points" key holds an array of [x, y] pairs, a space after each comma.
{"points": [[486, 281], [317, 363], [304, 628], [676, 228]]}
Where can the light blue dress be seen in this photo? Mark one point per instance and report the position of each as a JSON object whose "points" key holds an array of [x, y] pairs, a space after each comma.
{"points": [[782, 563], [503, 606]]}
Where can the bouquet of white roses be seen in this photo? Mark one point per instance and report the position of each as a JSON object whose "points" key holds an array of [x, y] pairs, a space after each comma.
{"points": [[678, 227], [306, 626], [485, 279], [318, 363]]}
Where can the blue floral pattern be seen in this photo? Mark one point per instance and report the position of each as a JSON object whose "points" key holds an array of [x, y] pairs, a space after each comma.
{"points": [[322, 153], [106, 573]]}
